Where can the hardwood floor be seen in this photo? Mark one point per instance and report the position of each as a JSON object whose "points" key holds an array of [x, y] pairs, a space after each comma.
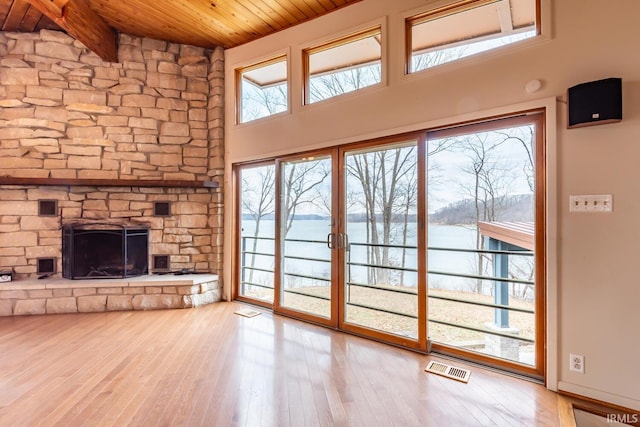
{"points": [[210, 367]]}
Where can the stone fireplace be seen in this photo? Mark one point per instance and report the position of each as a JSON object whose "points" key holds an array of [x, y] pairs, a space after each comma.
{"points": [[102, 142], [190, 235]]}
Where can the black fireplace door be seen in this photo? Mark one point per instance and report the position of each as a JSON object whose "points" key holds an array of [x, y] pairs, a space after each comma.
{"points": [[98, 253]]}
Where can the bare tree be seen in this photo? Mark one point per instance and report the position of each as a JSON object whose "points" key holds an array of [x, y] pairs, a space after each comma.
{"points": [[384, 177], [491, 180], [328, 85], [524, 270], [300, 186], [260, 102], [422, 61], [409, 194], [524, 135], [434, 168]]}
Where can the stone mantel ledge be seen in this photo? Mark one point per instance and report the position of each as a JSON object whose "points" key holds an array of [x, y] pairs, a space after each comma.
{"points": [[57, 295]]}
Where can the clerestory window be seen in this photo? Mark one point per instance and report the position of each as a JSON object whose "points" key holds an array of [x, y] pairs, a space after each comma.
{"points": [[466, 28], [342, 66], [262, 89]]}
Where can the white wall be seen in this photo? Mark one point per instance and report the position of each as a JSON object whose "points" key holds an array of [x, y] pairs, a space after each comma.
{"points": [[594, 298]]}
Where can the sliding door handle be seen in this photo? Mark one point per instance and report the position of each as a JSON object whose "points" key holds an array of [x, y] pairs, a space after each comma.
{"points": [[343, 241], [330, 240]]}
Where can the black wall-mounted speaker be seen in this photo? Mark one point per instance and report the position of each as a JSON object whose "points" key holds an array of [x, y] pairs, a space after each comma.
{"points": [[595, 103]]}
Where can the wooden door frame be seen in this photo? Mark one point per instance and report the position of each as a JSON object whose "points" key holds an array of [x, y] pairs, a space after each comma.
{"points": [[420, 343], [332, 321], [537, 117], [235, 243]]}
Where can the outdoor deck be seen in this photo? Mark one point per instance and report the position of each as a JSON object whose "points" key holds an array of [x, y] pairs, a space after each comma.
{"points": [[519, 234]]}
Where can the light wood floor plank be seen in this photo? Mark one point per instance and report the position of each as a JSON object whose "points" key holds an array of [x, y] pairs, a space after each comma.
{"points": [[210, 367]]}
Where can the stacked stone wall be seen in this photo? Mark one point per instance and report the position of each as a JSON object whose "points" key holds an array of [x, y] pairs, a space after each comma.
{"points": [[157, 114]]}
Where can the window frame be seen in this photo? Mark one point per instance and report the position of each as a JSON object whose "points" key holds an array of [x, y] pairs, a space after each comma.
{"points": [[369, 31], [448, 9], [282, 57], [237, 171]]}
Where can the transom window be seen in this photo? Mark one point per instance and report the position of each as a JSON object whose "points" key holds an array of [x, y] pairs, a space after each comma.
{"points": [[262, 89], [344, 65], [466, 28]]}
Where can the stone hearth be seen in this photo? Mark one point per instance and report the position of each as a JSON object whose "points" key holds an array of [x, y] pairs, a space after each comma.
{"points": [[56, 295]]}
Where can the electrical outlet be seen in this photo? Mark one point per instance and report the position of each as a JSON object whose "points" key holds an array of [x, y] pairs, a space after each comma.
{"points": [[591, 203], [576, 363]]}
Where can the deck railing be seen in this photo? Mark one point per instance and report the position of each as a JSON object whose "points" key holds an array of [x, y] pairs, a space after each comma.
{"points": [[504, 308]]}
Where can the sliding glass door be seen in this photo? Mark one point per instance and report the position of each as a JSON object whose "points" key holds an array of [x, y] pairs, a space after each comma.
{"points": [[256, 231], [306, 238], [486, 242], [381, 289], [434, 237]]}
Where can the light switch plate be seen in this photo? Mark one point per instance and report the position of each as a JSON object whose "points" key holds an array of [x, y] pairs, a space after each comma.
{"points": [[591, 203]]}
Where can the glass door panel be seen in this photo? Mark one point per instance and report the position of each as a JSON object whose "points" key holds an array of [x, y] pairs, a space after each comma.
{"points": [[307, 236], [257, 232], [482, 273], [380, 257]]}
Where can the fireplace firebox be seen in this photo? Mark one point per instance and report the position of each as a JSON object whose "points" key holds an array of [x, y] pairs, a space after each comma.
{"points": [[104, 251]]}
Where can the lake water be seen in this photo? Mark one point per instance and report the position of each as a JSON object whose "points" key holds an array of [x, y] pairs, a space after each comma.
{"points": [[438, 236]]}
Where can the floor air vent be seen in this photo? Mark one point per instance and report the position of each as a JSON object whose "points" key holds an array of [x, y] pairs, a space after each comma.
{"points": [[247, 312], [448, 371]]}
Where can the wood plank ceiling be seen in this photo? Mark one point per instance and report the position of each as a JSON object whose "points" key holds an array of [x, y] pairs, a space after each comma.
{"points": [[205, 23]]}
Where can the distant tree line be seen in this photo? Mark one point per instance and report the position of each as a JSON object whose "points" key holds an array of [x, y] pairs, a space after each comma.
{"points": [[513, 208]]}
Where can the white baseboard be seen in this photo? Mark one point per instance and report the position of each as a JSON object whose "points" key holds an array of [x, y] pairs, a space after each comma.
{"points": [[603, 396]]}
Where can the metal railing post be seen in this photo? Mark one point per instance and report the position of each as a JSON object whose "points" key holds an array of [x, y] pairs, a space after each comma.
{"points": [[501, 289], [348, 275], [243, 256]]}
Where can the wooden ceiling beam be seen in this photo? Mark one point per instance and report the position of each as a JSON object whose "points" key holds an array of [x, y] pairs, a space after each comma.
{"points": [[52, 6], [81, 22]]}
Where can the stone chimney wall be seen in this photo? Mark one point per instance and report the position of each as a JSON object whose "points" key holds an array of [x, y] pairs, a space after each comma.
{"points": [[157, 115]]}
